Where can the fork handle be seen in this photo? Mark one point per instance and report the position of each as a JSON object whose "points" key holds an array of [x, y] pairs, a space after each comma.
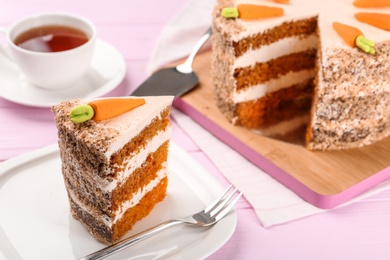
{"points": [[118, 246]]}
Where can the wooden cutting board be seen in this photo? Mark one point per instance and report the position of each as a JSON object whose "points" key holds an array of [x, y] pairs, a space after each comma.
{"points": [[325, 179]]}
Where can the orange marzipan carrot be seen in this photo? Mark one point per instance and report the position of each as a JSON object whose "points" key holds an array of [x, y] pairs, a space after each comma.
{"points": [[282, 1], [348, 33], [250, 12], [371, 3], [375, 19], [107, 108]]}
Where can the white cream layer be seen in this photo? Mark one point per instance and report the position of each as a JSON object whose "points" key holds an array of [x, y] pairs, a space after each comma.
{"points": [[129, 204], [139, 195], [275, 50], [284, 127], [133, 163], [260, 90], [137, 160], [327, 12]]}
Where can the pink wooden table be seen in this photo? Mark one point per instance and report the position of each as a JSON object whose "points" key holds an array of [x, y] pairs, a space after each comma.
{"points": [[357, 231]]}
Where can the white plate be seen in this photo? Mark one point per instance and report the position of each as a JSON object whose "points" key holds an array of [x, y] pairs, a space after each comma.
{"points": [[35, 222], [107, 70]]}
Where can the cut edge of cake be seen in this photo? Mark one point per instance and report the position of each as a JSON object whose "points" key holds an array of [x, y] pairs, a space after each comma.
{"points": [[115, 171]]}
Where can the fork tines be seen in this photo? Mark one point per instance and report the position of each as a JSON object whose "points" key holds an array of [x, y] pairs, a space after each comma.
{"points": [[223, 204]]}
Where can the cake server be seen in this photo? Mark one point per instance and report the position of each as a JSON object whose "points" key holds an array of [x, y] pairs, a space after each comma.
{"points": [[174, 81]]}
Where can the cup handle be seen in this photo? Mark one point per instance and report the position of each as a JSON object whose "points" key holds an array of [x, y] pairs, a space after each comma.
{"points": [[3, 48], [5, 53]]}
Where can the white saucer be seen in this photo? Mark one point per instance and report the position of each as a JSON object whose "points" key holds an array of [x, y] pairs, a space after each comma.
{"points": [[107, 71]]}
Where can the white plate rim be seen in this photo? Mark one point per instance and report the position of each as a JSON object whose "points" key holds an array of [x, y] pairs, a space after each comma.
{"points": [[179, 161], [99, 91]]}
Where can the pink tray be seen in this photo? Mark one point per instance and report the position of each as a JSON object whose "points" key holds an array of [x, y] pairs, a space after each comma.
{"points": [[324, 179]]}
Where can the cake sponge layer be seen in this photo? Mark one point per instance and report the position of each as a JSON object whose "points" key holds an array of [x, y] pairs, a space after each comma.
{"points": [[109, 235]]}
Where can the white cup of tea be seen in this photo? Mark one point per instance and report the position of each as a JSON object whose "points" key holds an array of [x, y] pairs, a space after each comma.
{"points": [[52, 50]]}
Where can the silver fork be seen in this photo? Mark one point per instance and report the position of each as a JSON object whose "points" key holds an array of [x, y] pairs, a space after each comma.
{"points": [[204, 218]]}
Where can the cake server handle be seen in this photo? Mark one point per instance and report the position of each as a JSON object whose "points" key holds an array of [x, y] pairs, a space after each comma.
{"points": [[186, 67], [118, 246]]}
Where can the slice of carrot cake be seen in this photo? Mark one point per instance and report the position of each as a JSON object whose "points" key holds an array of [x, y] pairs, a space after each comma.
{"points": [[115, 164]]}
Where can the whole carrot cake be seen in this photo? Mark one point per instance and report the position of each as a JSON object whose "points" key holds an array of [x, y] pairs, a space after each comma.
{"points": [[321, 66], [114, 166]]}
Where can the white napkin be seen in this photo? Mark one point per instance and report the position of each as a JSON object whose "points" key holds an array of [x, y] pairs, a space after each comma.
{"points": [[180, 35], [272, 202]]}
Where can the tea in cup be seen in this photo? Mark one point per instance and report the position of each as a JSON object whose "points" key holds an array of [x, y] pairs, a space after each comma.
{"points": [[52, 50]]}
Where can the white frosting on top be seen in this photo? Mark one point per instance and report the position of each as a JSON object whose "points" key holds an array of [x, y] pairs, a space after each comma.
{"points": [[330, 11], [131, 123]]}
